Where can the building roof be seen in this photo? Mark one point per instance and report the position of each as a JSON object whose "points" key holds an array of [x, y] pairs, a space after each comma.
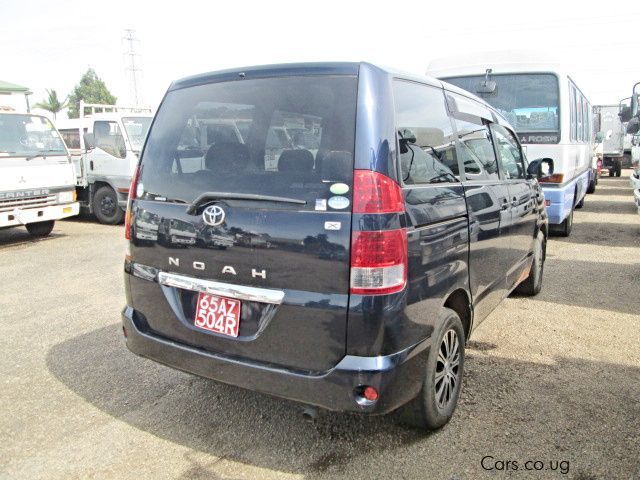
{"points": [[8, 88]]}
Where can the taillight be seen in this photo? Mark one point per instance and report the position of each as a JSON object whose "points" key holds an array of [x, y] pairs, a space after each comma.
{"points": [[378, 258], [133, 189], [555, 178], [376, 193], [378, 262]]}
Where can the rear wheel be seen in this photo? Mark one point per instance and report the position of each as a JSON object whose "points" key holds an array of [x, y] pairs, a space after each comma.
{"points": [[442, 377], [105, 206], [564, 229], [592, 184], [533, 283], [618, 169], [40, 229]]}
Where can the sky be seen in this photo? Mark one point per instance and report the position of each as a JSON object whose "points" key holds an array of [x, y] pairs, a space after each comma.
{"points": [[50, 44]]}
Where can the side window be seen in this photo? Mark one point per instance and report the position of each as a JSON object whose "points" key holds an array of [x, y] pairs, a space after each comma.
{"points": [[587, 120], [580, 123], [509, 152], [71, 137], [108, 137], [572, 112], [421, 112]]}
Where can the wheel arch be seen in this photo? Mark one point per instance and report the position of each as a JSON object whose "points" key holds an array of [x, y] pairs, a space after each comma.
{"points": [[460, 302]]}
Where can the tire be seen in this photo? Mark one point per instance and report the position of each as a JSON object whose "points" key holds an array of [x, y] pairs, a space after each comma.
{"points": [[40, 229], [435, 404], [533, 283], [564, 229], [592, 186], [618, 170], [105, 206], [611, 172]]}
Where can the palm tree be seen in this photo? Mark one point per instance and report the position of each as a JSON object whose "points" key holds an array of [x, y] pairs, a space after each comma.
{"points": [[52, 104]]}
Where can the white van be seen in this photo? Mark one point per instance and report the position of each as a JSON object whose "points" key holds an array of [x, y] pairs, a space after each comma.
{"points": [[105, 145], [37, 183]]}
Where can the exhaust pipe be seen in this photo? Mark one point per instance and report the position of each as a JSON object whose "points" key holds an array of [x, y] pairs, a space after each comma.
{"points": [[310, 414]]}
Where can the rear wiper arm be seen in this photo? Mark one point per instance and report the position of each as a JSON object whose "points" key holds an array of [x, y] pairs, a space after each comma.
{"points": [[208, 196]]}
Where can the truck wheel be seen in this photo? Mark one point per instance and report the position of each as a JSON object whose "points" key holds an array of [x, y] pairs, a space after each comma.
{"points": [[40, 229], [442, 377], [618, 170], [592, 185], [533, 283], [105, 206], [611, 172]]}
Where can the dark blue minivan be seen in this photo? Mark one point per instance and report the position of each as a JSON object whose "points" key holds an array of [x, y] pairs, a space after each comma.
{"points": [[329, 233]]}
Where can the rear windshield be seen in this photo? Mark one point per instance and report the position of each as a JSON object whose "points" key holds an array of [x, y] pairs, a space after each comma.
{"points": [[289, 136]]}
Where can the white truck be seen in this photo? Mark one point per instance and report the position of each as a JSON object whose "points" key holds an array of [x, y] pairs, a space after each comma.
{"points": [[608, 122], [37, 181], [105, 142]]}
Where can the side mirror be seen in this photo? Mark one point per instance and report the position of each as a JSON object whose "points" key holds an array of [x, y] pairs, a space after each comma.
{"points": [[541, 167], [625, 113], [406, 137], [634, 103], [89, 141], [633, 126], [599, 137]]}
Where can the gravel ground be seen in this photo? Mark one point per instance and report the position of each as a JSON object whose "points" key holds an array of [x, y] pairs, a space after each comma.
{"points": [[555, 379]]}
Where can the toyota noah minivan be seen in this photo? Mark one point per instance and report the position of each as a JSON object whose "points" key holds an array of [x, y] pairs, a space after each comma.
{"points": [[343, 266]]}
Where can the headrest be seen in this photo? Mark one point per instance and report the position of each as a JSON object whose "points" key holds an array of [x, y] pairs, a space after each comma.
{"points": [[230, 157], [337, 165], [300, 161]]}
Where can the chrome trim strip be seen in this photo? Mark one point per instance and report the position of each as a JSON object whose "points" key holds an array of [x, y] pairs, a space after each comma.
{"points": [[240, 292]]}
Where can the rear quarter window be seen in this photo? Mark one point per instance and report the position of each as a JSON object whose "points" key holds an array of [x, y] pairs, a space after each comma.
{"points": [[421, 112]]}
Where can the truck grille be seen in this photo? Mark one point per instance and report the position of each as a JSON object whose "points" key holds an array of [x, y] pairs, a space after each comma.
{"points": [[31, 202]]}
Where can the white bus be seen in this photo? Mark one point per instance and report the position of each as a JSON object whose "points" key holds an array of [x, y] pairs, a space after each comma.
{"points": [[548, 111]]}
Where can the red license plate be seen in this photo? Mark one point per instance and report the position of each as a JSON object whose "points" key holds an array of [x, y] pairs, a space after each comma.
{"points": [[218, 314]]}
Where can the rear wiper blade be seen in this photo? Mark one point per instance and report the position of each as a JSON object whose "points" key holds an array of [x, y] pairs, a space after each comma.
{"points": [[208, 196]]}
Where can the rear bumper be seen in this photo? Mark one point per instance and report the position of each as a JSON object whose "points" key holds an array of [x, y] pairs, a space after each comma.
{"points": [[23, 216], [397, 377]]}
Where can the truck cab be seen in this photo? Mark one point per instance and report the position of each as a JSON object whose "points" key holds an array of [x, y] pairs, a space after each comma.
{"points": [[105, 145], [37, 184]]}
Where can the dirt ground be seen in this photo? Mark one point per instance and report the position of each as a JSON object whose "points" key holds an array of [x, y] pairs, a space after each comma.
{"points": [[552, 382]]}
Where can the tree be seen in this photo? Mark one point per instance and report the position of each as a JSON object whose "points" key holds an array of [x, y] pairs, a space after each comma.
{"points": [[91, 89], [52, 103]]}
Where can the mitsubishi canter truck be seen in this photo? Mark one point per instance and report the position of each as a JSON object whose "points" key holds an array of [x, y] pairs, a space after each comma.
{"points": [[37, 181]]}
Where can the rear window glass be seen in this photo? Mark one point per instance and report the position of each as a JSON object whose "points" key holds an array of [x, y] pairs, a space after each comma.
{"points": [[286, 136]]}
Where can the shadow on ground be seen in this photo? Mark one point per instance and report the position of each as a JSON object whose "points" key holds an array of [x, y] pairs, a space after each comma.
{"points": [[18, 236], [590, 407]]}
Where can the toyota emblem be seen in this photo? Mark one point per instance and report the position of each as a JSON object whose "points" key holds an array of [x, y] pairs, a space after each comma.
{"points": [[213, 215]]}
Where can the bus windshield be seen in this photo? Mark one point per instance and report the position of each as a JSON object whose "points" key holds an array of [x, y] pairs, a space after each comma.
{"points": [[137, 128], [23, 135], [529, 101]]}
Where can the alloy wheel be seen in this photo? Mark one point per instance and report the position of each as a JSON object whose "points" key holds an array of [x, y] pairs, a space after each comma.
{"points": [[447, 369]]}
